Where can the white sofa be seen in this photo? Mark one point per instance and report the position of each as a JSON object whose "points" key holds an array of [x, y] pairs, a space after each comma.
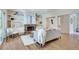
{"points": [[41, 36], [52, 34]]}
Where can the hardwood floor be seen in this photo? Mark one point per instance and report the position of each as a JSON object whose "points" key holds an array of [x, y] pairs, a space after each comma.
{"points": [[67, 42]]}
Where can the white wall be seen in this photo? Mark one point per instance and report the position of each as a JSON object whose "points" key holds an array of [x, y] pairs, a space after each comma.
{"points": [[55, 23], [64, 23], [58, 12], [54, 12], [78, 20], [44, 16], [51, 26]]}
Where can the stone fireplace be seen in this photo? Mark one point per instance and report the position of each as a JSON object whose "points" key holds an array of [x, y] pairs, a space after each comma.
{"points": [[29, 27]]}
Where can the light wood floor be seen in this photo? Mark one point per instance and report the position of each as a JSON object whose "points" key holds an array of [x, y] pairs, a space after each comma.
{"points": [[67, 42]]}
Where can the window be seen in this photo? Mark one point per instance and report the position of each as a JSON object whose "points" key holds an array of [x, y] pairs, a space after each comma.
{"points": [[2, 27], [0, 21]]}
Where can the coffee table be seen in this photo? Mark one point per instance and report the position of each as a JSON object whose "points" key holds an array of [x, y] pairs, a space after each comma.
{"points": [[27, 40]]}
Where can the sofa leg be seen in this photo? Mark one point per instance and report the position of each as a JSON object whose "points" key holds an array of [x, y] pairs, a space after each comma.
{"points": [[60, 37], [42, 45]]}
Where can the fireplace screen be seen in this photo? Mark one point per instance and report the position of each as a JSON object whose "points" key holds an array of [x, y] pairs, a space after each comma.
{"points": [[30, 28]]}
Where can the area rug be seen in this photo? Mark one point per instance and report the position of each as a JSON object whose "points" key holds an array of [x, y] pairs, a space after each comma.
{"points": [[27, 40]]}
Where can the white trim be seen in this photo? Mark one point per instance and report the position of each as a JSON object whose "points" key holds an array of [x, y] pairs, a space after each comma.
{"points": [[76, 33]]}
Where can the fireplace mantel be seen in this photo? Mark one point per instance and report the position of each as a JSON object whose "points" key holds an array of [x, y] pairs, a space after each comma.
{"points": [[30, 25]]}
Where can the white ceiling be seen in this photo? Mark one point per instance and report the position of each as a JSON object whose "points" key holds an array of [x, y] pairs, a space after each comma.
{"points": [[53, 11], [50, 11]]}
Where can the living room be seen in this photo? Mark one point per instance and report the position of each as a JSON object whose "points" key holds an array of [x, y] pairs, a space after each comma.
{"points": [[38, 29]]}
